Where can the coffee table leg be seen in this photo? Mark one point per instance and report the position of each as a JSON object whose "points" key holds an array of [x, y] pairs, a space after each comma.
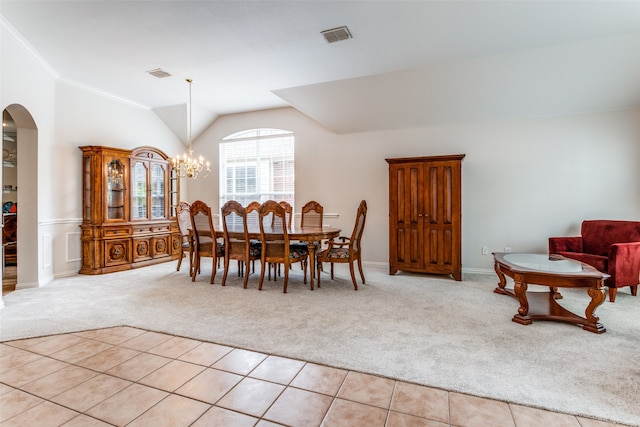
{"points": [[598, 295], [502, 282], [520, 288]]}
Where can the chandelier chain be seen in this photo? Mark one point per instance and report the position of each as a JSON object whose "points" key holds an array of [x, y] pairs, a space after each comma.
{"points": [[190, 166]]}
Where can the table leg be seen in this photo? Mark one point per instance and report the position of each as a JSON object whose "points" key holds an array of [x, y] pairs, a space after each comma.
{"points": [[520, 288], [502, 282], [598, 295], [312, 261]]}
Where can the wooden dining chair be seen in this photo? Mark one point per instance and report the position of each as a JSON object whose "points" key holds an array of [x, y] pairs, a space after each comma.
{"points": [[311, 216], [277, 250], [183, 216], [205, 243], [237, 248], [252, 223], [346, 249], [288, 209]]}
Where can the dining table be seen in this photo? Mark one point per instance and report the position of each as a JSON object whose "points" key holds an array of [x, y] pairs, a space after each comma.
{"points": [[310, 235]]}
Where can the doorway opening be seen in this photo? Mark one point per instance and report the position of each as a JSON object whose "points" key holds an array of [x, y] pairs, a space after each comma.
{"points": [[9, 203]]}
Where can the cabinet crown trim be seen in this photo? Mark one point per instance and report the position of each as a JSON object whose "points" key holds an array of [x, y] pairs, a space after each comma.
{"points": [[448, 157]]}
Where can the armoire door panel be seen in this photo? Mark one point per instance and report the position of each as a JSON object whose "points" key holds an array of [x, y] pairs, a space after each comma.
{"points": [[447, 202], [400, 246]]}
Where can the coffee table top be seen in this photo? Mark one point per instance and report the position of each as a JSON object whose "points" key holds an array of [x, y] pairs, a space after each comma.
{"points": [[546, 263]]}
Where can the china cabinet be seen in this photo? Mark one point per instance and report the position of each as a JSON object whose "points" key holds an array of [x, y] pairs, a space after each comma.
{"points": [[425, 233], [129, 201]]}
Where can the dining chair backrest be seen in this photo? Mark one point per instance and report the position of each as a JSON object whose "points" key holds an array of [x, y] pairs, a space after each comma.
{"points": [[279, 220], [288, 211], [361, 216], [201, 222], [311, 214], [234, 215], [183, 215], [252, 214]]}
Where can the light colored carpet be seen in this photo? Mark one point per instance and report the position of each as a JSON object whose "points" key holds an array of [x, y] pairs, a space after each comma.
{"points": [[429, 330]]}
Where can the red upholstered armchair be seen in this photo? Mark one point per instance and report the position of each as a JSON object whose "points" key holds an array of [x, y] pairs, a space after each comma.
{"points": [[612, 247]]}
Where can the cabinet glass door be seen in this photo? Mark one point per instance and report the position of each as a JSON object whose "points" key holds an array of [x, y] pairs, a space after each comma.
{"points": [[139, 191], [115, 190], [86, 196], [157, 191]]}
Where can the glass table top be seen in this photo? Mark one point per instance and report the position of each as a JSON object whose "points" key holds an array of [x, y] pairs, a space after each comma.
{"points": [[543, 262]]}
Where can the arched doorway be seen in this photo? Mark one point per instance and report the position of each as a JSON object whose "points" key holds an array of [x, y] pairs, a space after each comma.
{"points": [[9, 203], [21, 191]]}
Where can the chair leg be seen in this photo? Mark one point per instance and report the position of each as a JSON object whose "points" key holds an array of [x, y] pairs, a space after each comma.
{"points": [[634, 290], [214, 267], [304, 268], [226, 270], [196, 267], [332, 271], [361, 270], [612, 294], [246, 276], [180, 259], [286, 277], [353, 276], [264, 266]]}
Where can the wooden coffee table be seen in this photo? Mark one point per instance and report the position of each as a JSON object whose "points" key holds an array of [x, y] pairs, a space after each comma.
{"points": [[555, 272]]}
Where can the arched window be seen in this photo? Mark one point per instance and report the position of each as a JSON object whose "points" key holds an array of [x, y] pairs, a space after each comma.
{"points": [[257, 164]]}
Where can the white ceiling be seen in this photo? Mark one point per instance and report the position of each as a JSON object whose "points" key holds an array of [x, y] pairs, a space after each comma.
{"points": [[409, 64]]}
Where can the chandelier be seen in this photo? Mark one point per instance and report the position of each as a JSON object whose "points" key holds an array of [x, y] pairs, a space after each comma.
{"points": [[187, 165]]}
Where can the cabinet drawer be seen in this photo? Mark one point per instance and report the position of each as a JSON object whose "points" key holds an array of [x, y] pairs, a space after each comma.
{"points": [[150, 229], [116, 232]]}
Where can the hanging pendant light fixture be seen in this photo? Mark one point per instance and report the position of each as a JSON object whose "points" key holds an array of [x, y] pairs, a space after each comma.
{"points": [[188, 166]]}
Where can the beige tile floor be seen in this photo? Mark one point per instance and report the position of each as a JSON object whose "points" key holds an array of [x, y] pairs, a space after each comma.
{"points": [[125, 376]]}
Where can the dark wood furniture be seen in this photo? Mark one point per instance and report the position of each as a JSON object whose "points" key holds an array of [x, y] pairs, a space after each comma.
{"points": [[278, 250], [346, 249], [183, 216], [204, 245], [310, 235], [311, 214], [425, 215], [237, 247], [128, 216], [554, 271]]}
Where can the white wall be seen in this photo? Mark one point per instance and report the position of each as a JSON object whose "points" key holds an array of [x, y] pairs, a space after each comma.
{"points": [[523, 180]]}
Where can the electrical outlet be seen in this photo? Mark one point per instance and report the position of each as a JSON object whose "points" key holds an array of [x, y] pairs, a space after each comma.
{"points": [[485, 250], [507, 249]]}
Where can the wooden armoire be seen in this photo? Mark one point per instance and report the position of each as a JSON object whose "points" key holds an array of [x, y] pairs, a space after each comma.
{"points": [[425, 215], [128, 202]]}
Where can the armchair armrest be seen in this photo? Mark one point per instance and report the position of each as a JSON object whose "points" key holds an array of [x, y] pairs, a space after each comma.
{"points": [[565, 244], [344, 241], [624, 264]]}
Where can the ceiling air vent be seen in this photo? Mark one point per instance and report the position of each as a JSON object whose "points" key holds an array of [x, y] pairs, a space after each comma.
{"points": [[336, 34], [159, 73]]}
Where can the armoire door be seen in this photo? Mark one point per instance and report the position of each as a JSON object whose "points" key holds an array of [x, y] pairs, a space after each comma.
{"points": [[441, 218], [406, 205]]}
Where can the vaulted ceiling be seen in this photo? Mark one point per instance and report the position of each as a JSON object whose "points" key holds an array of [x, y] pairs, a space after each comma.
{"points": [[409, 63]]}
